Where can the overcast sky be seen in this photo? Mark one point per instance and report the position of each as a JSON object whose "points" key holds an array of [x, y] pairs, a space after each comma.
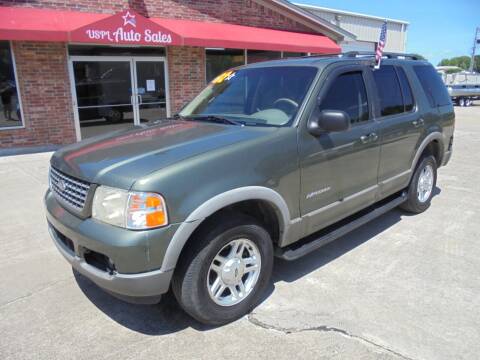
{"points": [[438, 29]]}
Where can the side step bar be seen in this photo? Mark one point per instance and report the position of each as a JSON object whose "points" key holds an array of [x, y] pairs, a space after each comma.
{"points": [[295, 251]]}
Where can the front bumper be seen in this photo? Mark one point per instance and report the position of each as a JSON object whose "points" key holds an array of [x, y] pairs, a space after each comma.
{"points": [[446, 157], [135, 256]]}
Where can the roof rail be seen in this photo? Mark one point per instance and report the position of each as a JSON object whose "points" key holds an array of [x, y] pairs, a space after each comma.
{"points": [[367, 54], [388, 55], [321, 55]]}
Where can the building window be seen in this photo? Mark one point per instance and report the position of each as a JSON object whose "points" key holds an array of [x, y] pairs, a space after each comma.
{"points": [[254, 56], [287, 54], [11, 113], [219, 60]]}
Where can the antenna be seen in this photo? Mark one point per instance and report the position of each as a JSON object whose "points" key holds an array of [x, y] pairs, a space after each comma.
{"points": [[476, 40]]}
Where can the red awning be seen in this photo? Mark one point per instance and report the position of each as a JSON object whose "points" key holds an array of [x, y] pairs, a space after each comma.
{"points": [[130, 28], [208, 34], [42, 25]]}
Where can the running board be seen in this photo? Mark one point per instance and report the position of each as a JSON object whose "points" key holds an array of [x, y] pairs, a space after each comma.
{"points": [[296, 251]]}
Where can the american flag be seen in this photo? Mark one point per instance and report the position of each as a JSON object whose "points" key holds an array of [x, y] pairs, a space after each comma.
{"points": [[381, 44]]}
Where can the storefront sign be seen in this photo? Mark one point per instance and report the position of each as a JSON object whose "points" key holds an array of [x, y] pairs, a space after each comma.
{"points": [[126, 27]]}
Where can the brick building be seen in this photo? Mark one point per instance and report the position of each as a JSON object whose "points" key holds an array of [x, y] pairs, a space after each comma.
{"points": [[75, 68]]}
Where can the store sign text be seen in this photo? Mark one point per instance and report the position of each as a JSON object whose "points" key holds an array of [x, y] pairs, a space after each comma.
{"points": [[121, 35], [127, 27]]}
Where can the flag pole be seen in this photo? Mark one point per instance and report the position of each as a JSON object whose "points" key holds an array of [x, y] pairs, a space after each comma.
{"points": [[381, 45]]}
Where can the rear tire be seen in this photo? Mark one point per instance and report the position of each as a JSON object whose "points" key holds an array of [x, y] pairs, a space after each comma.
{"points": [[422, 184], [461, 102], [199, 270]]}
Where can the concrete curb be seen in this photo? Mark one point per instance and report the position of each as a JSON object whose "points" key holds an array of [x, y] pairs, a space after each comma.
{"points": [[28, 150]]}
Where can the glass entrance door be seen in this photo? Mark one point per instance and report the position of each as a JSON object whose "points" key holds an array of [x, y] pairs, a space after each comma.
{"points": [[113, 93], [103, 96], [151, 90]]}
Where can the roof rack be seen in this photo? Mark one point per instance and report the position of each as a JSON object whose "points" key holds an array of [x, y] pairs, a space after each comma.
{"points": [[367, 54], [388, 55], [321, 55]]}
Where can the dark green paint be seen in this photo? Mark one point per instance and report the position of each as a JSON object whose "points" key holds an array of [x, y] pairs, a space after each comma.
{"points": [[191, 162]]}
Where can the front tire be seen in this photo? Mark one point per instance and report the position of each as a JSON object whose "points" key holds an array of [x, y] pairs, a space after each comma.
{"points": [[224, 273], [420, 190]]}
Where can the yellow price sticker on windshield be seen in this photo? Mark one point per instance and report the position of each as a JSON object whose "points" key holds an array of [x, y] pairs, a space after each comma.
{"points": [[227, 75]]}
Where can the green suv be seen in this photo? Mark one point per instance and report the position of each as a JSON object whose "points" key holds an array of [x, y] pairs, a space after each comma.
{"points": [[272, 159]]}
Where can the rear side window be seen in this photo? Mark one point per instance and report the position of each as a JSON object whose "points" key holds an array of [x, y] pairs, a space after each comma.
{"points": [[406, 90], [432, 85], [389, 91], [348, 93]]}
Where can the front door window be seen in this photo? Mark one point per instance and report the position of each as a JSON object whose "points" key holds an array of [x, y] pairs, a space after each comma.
{"points": [[348, 93]]}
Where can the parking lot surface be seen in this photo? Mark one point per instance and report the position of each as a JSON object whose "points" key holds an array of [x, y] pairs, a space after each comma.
{"points": [[401, 287]]}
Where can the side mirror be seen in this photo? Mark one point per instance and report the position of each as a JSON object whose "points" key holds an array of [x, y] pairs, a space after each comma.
{"points": [[329, 121]]}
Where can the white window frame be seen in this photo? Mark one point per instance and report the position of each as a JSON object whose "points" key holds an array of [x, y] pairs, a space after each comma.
{"points": [[19, 96], [132, 60]]}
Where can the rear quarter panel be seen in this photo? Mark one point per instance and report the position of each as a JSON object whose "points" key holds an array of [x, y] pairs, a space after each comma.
{"points": [[437, 119]]}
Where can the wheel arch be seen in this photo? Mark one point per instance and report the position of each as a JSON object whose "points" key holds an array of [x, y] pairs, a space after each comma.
{"points": [[434, 144], [218, 203]]}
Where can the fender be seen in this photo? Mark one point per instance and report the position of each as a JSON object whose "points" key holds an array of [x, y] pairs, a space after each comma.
{"points": [[430, 137], [216, 203]]}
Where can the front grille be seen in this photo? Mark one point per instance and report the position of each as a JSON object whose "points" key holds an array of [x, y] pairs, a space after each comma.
{"points": [[69, 190]]}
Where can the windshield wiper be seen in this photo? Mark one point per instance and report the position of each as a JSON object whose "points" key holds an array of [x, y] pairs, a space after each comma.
{"points": [[158, 121], [215, 118]]}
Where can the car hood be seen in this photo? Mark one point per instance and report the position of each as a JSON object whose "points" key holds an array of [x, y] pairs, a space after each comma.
{"points": [[118, 159]]}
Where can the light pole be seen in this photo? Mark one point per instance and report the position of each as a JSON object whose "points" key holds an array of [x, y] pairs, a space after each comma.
{"points": [[476, 40]]}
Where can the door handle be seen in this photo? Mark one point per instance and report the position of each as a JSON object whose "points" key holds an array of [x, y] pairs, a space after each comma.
{"points": [[372, 137], [364, 139], [418, 122]]}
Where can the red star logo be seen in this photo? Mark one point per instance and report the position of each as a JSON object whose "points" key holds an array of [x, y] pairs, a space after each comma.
{"points": [[129, 19]]}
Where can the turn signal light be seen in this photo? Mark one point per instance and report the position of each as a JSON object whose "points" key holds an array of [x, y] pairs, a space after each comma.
{"points": [[146, 210], [129, 209]]}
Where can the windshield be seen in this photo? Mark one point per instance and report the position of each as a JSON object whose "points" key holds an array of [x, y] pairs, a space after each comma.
{"points": [[269, 96]]}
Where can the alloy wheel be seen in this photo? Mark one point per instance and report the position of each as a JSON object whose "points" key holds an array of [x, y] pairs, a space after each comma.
{"points": [[234, 272], [425, 184]]}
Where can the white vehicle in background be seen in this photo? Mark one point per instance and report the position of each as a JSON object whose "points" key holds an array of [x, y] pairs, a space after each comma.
{"points": [[463, 87]]}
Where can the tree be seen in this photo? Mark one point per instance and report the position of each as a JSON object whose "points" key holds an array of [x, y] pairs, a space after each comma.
{"points": [[462, 62]]}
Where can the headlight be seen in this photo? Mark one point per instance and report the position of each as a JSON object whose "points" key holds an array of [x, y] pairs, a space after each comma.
{"points": [[129, 209]]}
